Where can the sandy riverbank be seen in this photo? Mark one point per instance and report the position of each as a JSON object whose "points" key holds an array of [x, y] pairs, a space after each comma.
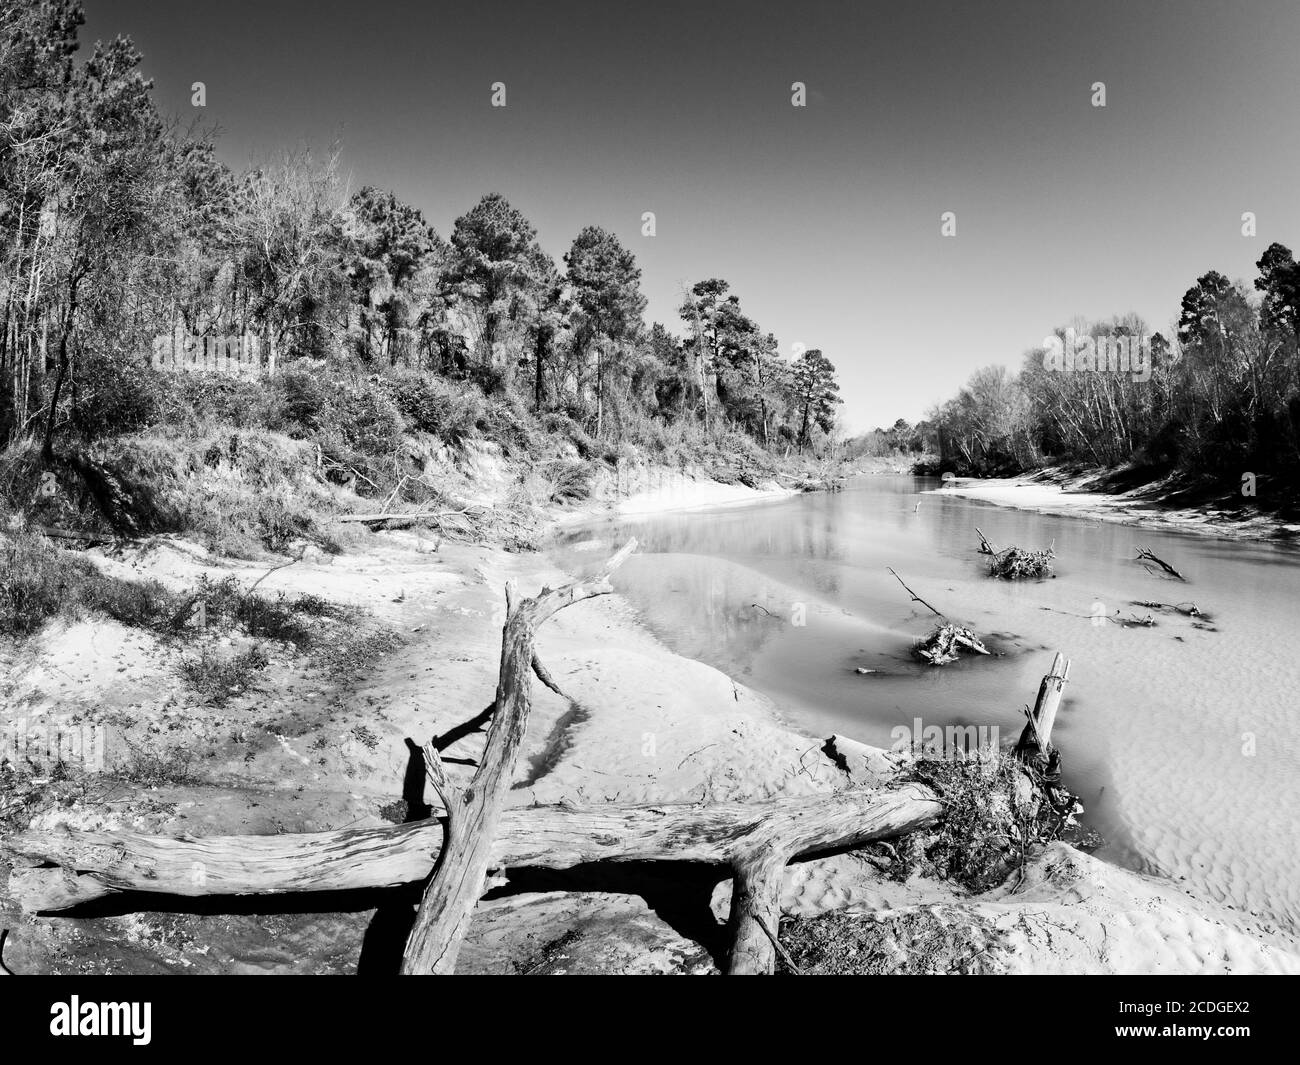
{"points": [[1150, 506], [665, 491], [314, 746]]}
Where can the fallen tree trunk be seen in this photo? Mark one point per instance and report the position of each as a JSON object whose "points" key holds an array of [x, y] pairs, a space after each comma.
{"points": [[89, 864], [91, 538], [412, 515]]}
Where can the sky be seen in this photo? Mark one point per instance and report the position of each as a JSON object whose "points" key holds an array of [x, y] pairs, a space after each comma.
{"points": [[825, 219]]}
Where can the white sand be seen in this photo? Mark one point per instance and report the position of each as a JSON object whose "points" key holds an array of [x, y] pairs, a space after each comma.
{"points": [[1128, 508], [306, 751], [642, 491]]}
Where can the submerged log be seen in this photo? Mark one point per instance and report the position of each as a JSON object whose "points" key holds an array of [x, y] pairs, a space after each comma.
{"points": [[1145, 555], [945, 643]]}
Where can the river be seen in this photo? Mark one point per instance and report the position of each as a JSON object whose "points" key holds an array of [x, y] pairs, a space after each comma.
{"points": [[1180, 738]]}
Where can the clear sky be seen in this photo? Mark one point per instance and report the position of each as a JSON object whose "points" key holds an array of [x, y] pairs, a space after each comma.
{"points": [[824, 219]]}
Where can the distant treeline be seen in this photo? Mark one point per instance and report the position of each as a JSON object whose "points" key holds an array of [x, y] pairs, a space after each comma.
{"points": [[1221, 398], [116, 228], [901, 438]]}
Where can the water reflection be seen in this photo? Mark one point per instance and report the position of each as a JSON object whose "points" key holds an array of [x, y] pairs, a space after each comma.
{"points": [[794, 597]]}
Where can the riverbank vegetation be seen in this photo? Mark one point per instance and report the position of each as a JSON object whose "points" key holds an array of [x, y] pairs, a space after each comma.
{"points": [[123, 235]]}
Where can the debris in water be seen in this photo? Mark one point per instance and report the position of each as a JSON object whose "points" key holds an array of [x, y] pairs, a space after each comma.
{"points": [[945, 643], [1015, 563], [1145, 556]]}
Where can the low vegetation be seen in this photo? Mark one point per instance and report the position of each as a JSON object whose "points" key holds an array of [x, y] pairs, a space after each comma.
{"points": [[925, 941], [400, 357], [992, 819], [41, 582]]}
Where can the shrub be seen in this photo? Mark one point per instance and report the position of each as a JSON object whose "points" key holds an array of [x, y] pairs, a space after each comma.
{"points": [[113, 391], [152, 769], [39, 582], [35, 585], [558, 480], [195, 402], [368, 420], [450, 412], [305, 394]]}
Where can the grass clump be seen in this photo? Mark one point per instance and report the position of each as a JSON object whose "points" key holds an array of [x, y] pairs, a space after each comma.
{"points": [[355, 651], [39, 582], [218, 678], [154, 769]]}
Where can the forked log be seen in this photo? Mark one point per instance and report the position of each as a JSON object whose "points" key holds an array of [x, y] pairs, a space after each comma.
{"points": [[473, 813], [92, 864]]}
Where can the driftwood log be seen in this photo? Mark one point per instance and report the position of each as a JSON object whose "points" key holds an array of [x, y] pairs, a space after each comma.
{"points": [[753, 839], [1036, 738], [945, 643], [411, 515], [473, 813]]}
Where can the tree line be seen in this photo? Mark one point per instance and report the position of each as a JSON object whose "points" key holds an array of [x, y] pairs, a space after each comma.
{"points": [[1221, 397], [117, 226]]}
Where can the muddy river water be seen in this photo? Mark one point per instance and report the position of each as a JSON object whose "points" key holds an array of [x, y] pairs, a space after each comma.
{"points": [[1182, 738]]}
